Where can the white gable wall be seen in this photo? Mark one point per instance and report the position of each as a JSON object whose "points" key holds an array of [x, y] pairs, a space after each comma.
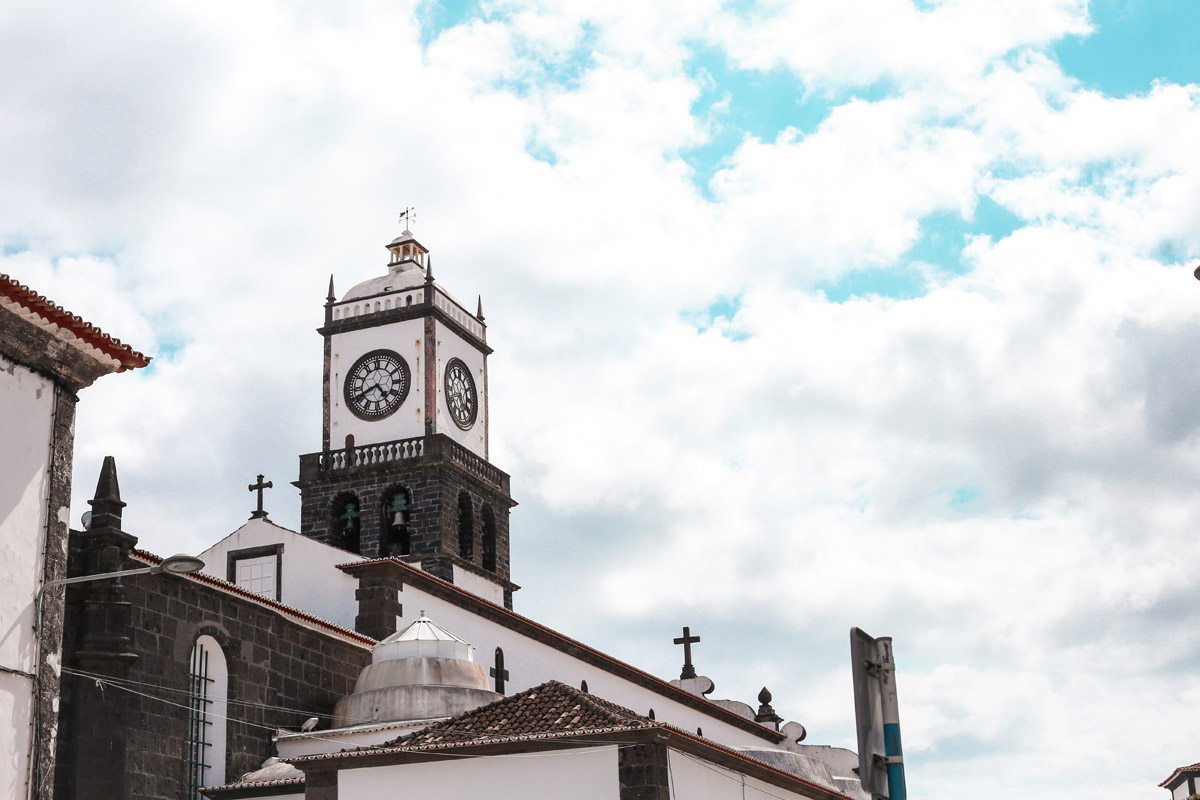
{"points": [[27, 401], [310, 580], [530, 662], [584, 774]]}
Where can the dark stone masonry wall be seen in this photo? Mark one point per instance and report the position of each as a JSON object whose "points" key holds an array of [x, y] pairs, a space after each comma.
{"points": [[642, 772], [433, 486], [274, 663]]}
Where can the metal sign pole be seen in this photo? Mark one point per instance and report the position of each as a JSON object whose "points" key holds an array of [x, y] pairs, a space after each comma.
{"points": [[893, 753], [877, 716]]}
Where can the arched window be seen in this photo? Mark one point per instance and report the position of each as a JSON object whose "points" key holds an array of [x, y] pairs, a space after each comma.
{"points": [[489, 539], [466, 527], [208, 692], [396, 507], [346, 522]]}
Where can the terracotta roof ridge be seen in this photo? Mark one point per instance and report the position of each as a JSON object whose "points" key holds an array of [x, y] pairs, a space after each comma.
{"points": [[51, 312], [232, 588], [616, 716]]}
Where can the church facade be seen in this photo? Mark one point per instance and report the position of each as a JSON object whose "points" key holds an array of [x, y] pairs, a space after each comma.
{"points": [[377, 649]]}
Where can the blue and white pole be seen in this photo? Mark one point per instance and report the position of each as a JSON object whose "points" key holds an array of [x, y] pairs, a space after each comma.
{"points": [[890, 708]]}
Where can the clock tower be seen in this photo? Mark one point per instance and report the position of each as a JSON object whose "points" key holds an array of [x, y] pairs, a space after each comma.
{"points": [[403, 469]]}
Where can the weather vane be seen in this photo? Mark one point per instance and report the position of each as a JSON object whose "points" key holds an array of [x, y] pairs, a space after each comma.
{"points": [[407, 216]]}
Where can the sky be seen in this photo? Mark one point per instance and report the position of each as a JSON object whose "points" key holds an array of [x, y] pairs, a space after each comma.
{"points": [[806, 316]]}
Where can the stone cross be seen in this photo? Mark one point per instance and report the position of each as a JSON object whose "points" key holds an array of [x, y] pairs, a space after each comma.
{"points": [[499, 672], [258, 487], [687, 640]]}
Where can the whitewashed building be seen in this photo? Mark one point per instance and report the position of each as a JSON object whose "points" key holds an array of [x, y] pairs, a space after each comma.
{"points": [[47, 355]]}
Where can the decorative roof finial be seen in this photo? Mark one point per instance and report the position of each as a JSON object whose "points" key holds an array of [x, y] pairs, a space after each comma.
{"points": [[331, 297], [479, 312], [408, 216], [766, 714], [107, 504], [429, 271]]}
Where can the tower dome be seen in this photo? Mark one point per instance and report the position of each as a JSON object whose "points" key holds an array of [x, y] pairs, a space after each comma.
{"points": [[421, 672]]}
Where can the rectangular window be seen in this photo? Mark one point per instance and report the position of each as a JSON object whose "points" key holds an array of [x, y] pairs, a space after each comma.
{"points": [[257, 575], [258, 570]]}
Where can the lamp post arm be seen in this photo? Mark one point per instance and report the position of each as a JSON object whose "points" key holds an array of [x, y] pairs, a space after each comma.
{"points": [[37, 612]]}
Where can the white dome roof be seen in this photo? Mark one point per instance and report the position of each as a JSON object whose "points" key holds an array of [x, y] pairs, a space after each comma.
{"points": [[421, 672], [422, 639], [403, 276]]}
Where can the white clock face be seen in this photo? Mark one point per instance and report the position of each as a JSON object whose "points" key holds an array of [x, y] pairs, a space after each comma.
{"points": [[377, 384], [461, 397]]}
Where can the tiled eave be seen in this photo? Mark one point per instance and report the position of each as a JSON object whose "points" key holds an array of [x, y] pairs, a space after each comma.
{"points": [[1181, 772], [232, 791], [314, 622], [40, 311]]}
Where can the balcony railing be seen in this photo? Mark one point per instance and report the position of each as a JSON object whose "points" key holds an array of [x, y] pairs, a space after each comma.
{"points": [[315, 465]]}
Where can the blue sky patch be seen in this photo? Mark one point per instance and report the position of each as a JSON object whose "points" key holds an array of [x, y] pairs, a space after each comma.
{"points": [[719, 313], [900, 282], [438, 16], [1135, 42], [940, 243], [964, 495], [760, 104]]}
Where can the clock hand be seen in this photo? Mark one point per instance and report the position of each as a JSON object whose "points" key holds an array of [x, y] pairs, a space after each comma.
{"points": [[364, 392]]}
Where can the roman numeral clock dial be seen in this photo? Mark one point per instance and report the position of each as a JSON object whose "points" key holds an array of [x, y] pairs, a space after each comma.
{"points": [[461, 397], [377, 384]]}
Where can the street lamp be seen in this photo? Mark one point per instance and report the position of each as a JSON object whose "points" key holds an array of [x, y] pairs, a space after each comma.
{"points": [[178, 564]]}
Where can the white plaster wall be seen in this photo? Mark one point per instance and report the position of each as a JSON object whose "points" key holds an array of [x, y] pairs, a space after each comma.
{"points": [[587, 774], [530, 663], [406, 338], [311, 580], [26, 409], [451, 345], [693, 778], [478, 585]]}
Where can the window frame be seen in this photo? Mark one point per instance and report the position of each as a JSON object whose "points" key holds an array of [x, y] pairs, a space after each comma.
{"points": [[234, 556]]}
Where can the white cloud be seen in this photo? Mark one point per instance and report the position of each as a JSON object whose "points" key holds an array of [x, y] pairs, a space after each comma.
{"points": [[1006, 463]]}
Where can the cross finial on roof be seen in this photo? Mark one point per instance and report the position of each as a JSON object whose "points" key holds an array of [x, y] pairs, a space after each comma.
{"points": [[687, 640], [499, 672], [258, 487]]}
